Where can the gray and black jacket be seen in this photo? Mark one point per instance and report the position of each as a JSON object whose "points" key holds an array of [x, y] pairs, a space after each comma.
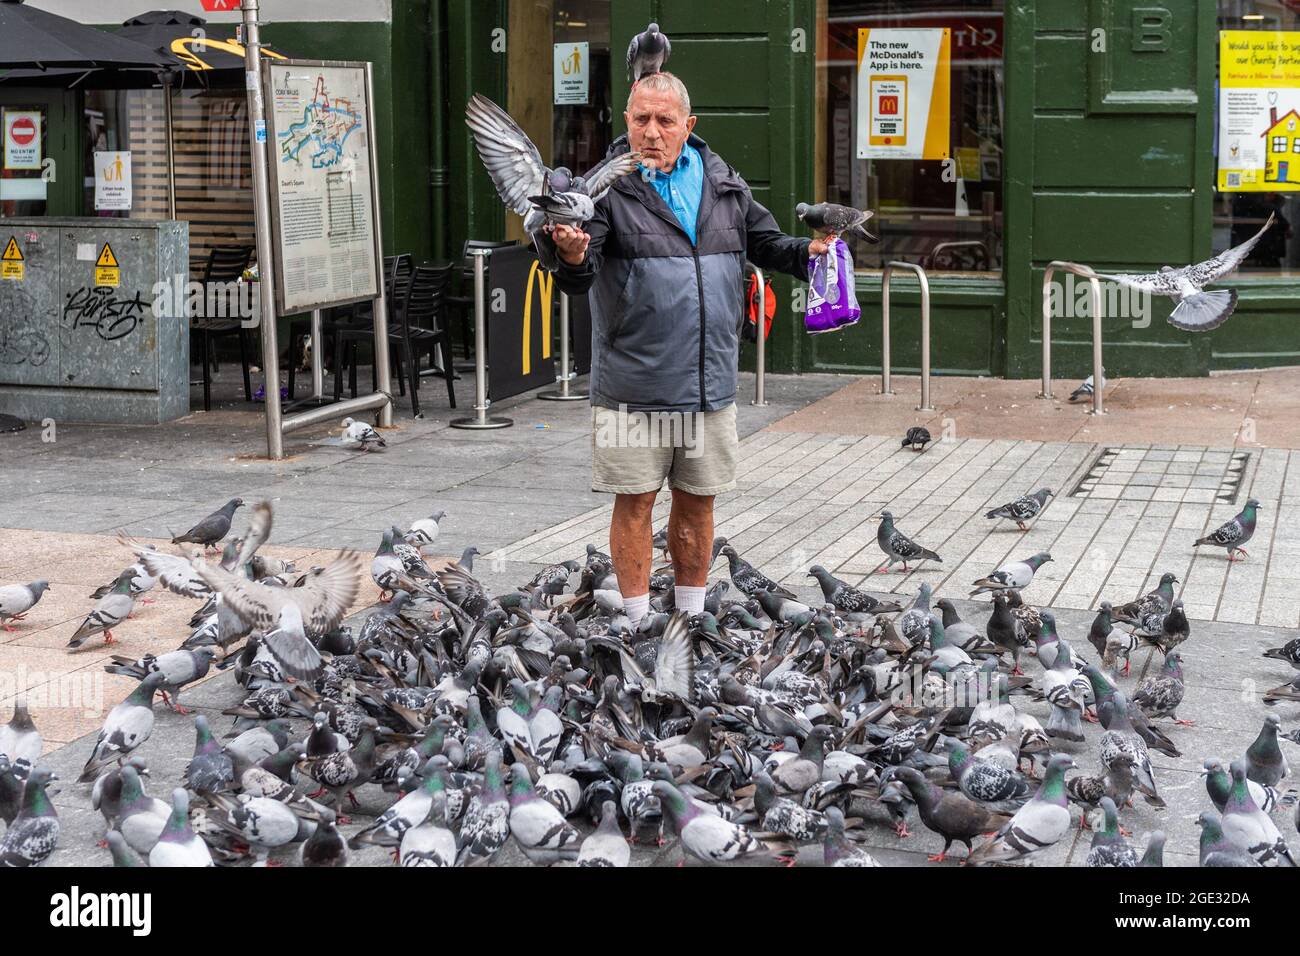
{"points": [[666, 315]]}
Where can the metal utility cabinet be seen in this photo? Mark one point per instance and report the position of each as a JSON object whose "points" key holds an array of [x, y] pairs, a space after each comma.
{"points": [[93, 323]]}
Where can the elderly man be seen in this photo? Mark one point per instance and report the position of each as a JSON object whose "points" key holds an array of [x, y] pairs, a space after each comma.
{"points": [[664, 259]]}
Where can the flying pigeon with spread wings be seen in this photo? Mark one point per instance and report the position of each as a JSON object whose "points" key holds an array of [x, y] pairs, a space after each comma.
{"points": [[1196, 310], [543, 196]]}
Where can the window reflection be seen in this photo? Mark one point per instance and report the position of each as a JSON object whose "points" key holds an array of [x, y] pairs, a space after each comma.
{"points": [[921, 215]]}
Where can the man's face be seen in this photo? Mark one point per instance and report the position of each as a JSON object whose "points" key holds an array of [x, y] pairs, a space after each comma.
{"points": [[657, 126]]}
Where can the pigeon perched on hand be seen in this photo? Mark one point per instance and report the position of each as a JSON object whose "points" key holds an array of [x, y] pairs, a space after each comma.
{"points": [[212, 528], [647, 53], [1197, 310], [543, 196], [1025, 508], [17, 599], [1234, 533], [831, 219]]}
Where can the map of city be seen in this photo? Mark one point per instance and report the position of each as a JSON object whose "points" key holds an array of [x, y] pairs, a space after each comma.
{"points": [[323, 131]]}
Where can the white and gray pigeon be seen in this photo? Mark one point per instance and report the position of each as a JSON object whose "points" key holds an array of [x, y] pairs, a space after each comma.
{"points": [[606, 845], [20, 741], [1196, 310], [430, 843], [537, 826], [1246, 825], [173, 571], [1039, 824], [898, 546], [705, 836], [33, 835], [832, 219], [914, 623], [260, 823], [1025, 508], [109, 611], [1012, 576], [178, 668], [178, 844], [527, 186], [424, 531], [141, 582], [17, 599], [1234, 533], [126, 727], [647, 53], [1085, 390], [362, 435]]}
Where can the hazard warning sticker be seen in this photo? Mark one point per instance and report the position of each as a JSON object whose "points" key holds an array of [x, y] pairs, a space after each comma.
{"points": [[12, 265], [107, 271]]}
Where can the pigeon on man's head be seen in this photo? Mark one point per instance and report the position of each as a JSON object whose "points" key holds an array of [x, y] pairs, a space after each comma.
{"points": [[1196, 310], [647, 53], [832, 219], [1235, 532], [543, 196], [212, 528]]}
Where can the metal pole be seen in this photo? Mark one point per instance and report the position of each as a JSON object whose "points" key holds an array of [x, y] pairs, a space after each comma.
{"points": [[1094, 290], [1097, 400], [317, 355], [1047, 331], [565, 374], [481, 403], [262, 221], [171, 149], [382, 372], [760, 353], [884, 330], [925, 405]]}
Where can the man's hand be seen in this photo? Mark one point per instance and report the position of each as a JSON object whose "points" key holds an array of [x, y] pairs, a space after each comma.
{"points": [[570, 243], [819, 247]]}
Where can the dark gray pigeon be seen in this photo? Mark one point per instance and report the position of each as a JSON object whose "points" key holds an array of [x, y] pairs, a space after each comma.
{"points": [[832, 219], [1197, 310], [212, 528], [32, 836], [898, 546], [917, 438], [647, 53], [847, 599], [210, 770], [1265, 762], [531, 188], [1234, 533]]}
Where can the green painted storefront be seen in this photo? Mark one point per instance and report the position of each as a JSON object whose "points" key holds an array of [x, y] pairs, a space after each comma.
{"points": [[1108, 160]]}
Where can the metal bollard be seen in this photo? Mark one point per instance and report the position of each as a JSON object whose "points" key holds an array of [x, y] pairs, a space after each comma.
{"points": [[1098, 400], [480, 418], [565, 374], [885, 362], [760, 353]]}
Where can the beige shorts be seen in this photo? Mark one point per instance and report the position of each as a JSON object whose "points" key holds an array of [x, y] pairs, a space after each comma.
{"points": [[633, 452]]}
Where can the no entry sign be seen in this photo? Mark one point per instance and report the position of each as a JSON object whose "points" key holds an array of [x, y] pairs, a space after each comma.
{"points": [[216, 6], [22, 139]]}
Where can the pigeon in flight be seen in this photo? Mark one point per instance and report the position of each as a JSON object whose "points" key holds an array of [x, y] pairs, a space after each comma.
{"points": [[1196, 310], [647, 53], [1084, 392], [1233, 534], [832, 219], [1025, 508], [543, 196]]}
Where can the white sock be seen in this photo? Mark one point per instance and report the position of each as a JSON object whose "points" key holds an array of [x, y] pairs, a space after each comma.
{"points": [[690, 600], [636, 608]]}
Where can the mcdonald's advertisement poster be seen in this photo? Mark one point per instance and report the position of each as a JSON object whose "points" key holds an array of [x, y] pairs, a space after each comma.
{"points": [[1259, 111], [522, 316], [903, 93]]}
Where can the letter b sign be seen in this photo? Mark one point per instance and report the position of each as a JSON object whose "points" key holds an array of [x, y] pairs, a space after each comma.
{"points": [[1151, 29]]}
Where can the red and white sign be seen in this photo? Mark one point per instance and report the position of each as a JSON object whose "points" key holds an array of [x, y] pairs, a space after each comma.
{"points": [[218, 6], [22, 136]]}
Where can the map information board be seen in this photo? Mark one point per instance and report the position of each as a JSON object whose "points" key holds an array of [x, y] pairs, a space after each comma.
{"points": [[318, 155]]}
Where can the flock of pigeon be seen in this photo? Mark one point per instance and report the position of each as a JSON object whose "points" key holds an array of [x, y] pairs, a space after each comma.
{"points": [[540, 717]]}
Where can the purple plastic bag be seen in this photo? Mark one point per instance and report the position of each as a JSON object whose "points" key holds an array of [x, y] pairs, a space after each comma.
{"points": [[832, 302]]}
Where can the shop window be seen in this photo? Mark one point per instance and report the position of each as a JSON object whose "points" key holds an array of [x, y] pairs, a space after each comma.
{"points": [[24, 185], [945, 216], [1275, 190]]}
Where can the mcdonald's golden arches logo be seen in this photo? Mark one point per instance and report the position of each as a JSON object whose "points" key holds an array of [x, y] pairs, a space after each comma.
{"points": [[545, 287]]}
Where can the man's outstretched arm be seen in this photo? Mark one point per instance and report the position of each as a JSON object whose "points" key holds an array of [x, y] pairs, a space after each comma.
{"points": [[769, 248]]}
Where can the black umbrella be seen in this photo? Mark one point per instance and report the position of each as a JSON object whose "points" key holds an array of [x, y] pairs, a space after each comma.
{"points": [[198, 51], [33, 39]]}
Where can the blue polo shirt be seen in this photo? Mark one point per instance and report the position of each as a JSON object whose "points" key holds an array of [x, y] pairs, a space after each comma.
{"points": [[681, 189]]}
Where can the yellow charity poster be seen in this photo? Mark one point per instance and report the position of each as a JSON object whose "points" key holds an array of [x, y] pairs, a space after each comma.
{"points": [[903, 93], [1259, 111]]}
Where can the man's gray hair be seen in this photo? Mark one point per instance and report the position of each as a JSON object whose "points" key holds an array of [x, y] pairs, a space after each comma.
{"points": [[662, 83]]}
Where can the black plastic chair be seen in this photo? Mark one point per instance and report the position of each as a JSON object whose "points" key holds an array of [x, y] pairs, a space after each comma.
{"points": [[226, 264], [397, 274], [463, 303], [424, 317]]}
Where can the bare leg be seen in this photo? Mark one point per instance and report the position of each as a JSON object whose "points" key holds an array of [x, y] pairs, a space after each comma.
{"points": [[690, 538], [629, 542]]}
